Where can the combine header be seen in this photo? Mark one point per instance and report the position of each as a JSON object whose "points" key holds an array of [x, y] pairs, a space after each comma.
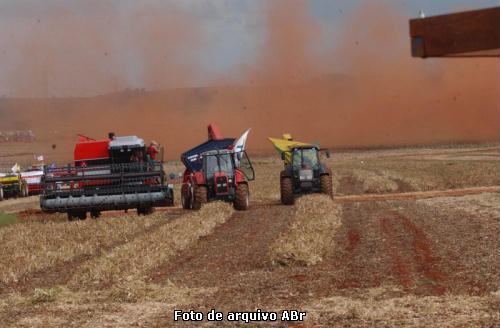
{"points": [[111, 174], [303, 172], [218, 169]]}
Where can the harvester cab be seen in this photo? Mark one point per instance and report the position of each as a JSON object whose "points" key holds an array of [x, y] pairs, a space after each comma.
{"points": [[111, 174], [216, 171], [303, 170]]}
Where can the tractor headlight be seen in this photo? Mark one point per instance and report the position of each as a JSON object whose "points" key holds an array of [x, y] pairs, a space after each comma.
{"points": [[305, 175]]}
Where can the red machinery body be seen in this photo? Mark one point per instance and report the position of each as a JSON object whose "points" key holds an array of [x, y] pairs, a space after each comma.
{"points": [[88, 152], [212, 173], [110, 174]]}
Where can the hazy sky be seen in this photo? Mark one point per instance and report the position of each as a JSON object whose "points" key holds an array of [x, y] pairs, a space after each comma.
{"points": [[118, 43]]}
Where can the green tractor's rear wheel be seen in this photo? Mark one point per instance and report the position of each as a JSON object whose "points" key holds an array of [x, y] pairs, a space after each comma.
{"points": [[242, 199], [326, 185], [286, 188], [200, 197]]}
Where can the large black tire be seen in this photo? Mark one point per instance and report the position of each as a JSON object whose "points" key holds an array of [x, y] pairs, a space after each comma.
{"points": [[185, 197], [82, 215], [326, 185], [71, 216], [95, 214], [286, 188], [76, 215], [145, 210], [242, 197], [200, 197]]}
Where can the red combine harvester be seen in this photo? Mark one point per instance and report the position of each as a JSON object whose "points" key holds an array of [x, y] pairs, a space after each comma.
{"points": [[216, 170], [111, 174]]}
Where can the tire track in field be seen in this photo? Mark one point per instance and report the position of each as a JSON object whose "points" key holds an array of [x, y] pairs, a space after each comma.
{"points": [[416, 194], [237, 245], [413, 259], [61, 273]]}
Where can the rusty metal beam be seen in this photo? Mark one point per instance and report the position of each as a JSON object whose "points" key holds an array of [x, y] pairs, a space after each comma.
{"points": [[467, 34]]}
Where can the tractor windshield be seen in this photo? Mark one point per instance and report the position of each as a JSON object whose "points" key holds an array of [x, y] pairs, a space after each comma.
{"points": [[218, 163], [305, 157]]}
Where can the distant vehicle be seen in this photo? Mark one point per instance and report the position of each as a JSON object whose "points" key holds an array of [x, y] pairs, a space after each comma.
{"points": [[110, 174], [13, 186], [33, 178], [303, 171]]}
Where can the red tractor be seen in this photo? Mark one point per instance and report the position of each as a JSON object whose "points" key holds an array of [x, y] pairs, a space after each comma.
{"points": [[216, 171], [110, 174]]}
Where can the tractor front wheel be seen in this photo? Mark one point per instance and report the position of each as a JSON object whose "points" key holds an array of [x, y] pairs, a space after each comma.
{"points": [[286, 188], [200, 197], [242, 199], [326, 185]]}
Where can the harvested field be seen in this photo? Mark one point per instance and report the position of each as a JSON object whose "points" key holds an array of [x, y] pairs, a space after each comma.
{"points": [[310, 237], [410, 239]]}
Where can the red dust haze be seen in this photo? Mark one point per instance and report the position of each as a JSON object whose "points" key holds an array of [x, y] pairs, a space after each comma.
{"points": [[381, 97]]}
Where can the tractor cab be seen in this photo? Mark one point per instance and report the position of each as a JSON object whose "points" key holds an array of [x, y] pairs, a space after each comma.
{"points": [[219, 169], [222, 168]]}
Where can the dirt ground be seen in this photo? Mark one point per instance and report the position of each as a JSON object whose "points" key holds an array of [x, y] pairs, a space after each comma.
{"points": [[411, 239]]}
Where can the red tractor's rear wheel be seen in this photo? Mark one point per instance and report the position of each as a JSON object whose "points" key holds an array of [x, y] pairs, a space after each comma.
{"points": [[186, 197], [286, 188], [242, 199], [326, 185], [200, 197]]}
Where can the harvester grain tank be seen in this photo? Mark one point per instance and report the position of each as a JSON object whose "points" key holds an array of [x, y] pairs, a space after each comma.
{"points": [[218, 169], [110, 174], [303, 171]]}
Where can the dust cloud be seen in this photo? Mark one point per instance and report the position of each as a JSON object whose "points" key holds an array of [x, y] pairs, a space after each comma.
{"points": [[366, 91]]}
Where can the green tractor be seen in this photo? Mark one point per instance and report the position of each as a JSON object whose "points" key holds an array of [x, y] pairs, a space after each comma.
{"points": [[303, 172]]}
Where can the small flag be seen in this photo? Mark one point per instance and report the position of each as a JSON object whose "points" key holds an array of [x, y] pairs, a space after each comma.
{"points": [[239, 145], [16, 168]]}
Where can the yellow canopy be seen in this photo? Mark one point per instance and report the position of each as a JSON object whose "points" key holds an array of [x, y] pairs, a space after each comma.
{"points": [[283, 146]]}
